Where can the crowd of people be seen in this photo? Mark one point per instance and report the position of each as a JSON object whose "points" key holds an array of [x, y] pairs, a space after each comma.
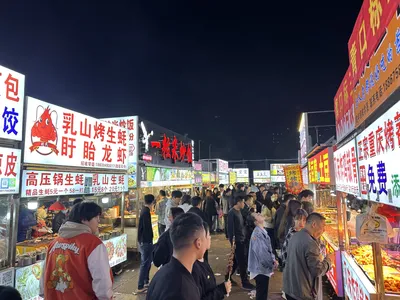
{"points": [[266, 231]]}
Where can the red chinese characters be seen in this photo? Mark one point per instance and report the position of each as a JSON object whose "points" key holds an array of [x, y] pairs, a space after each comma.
{"points": [[175, 150], [12, 87]]}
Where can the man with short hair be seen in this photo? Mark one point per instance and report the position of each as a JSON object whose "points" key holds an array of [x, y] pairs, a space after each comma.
{"points": [[163, 249], [160, 211], [174, 281], [236, 231], [304, 264], [145, 239], [175, 200], [196, 208]]}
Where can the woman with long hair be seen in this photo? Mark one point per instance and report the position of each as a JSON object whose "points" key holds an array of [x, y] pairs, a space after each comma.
{"points": [[268, 212], [299, 222], [288, 219]]}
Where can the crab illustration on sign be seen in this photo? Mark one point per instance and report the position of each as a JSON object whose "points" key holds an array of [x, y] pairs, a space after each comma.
{"points": [[44, 136]]}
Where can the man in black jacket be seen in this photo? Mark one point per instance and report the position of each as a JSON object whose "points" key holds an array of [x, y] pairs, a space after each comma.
{"points": [[236, 231], [162, 252], [145, 239], [196, 204], [174, 281], [260, 199], [196, 208]]}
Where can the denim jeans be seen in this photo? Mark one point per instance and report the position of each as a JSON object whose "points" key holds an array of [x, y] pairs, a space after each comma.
{"points": [[146, 251]]}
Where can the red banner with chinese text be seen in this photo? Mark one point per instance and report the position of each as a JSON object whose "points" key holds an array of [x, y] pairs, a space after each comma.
{"points": [[381, 78], [344, 107], [368, 30], [293, 179]]}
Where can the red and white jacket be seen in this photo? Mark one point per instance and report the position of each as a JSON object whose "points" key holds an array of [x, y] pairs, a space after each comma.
{"points": [[76, 266]]}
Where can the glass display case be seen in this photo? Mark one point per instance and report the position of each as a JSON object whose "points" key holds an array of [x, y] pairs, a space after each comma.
{"points": [[328, 204], [5, 231]]}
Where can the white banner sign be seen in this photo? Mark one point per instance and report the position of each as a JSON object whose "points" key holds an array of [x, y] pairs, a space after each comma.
{"points": [[62, 137], [262, 174], [223, 166], [12, 88], [43, 183], [10, 166], [346, 172], [277, 170], [130, 123], [378, 149], [242, 173]]}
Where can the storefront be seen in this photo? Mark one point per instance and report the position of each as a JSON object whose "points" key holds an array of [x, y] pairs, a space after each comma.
{"points": [[67, 155], [12, 85], [165, 163]]}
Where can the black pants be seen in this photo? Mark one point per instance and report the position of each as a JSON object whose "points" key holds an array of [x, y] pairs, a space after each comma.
{"points": [[240, 261], [262, 283], [161, 229], [226, 225]]}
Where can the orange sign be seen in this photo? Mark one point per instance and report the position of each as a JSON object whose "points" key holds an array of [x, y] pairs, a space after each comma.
{"points": [[293, 179], [368, 30], [381, 77], [320, 168]]}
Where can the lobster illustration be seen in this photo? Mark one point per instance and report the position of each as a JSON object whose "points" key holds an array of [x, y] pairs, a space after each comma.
{"points": [[45, 131]]}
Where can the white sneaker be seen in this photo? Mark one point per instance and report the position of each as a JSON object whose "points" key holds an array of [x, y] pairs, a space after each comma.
{"points": [[283, 295]]}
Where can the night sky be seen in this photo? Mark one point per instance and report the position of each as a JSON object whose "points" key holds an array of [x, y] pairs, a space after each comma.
{"points": [[233, 74]]}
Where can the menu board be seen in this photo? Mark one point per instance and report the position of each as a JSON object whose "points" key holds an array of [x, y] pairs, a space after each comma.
{"points": [[131, 124], [43, 183]]}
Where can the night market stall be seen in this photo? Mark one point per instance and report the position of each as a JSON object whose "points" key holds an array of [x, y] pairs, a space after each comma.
{"points": [[67, 155], [12, 86], [367, 113]]}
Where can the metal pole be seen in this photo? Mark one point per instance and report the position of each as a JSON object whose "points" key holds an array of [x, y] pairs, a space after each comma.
{"points": [[316, 131], [320, 112], [378, 270], [209, 151]]}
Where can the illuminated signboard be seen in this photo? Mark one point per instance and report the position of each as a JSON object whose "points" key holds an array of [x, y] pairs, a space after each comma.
{"points": [[131, 124], [320, 168], [44, 183], [12, 88], [262, 176], [58, 136], [378, 150], [346, 172], [166, 147]]}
